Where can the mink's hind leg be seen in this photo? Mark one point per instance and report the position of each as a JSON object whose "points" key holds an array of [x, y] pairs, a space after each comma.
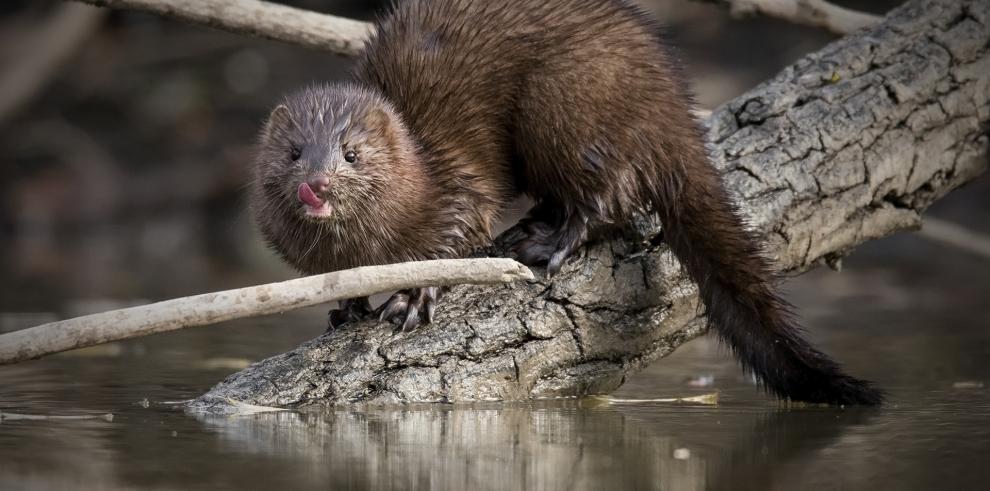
{"points": [[351, 310], [553, 234], [411, 306]]}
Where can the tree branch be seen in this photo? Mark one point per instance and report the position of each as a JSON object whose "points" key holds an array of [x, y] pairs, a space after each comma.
{"points": [[347, 36], [849, 144], [948, 233], [263, 19], [815, 13], [272, 298]]}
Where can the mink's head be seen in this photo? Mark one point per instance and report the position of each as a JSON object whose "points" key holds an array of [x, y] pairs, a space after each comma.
{"points": [[330, 153], [336, 165]]}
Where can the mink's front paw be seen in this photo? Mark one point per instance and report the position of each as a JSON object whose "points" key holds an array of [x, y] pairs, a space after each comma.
{"points": [[410, 307], [351, 310], [549, 244], [538, 246]]}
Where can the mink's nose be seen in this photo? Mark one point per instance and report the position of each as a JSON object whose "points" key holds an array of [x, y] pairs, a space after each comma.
{"points": [[319, 184]]}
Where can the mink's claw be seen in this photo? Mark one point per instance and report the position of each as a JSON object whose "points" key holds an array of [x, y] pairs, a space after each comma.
{"points": [[412, 318], [351, 310], [409, 308], [394, 307]]}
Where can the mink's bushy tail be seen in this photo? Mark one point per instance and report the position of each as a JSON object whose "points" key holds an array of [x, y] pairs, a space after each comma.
{"points": [[703, 227]]}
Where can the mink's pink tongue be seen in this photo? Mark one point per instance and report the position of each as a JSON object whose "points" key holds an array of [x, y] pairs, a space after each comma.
{"points": [[308, 197]]}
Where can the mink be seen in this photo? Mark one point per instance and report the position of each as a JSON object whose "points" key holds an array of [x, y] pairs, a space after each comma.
{"points": [[458, 106]]}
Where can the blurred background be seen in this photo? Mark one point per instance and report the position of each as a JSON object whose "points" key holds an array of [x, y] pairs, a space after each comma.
{"points": [[125, 147]]}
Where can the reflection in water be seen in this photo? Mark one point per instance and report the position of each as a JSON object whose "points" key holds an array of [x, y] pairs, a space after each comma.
{"points": [[779, 438], [569, 446], [511, 448]]}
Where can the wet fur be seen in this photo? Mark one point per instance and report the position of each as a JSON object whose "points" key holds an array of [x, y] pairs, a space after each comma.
{"points": [[576, 103]]}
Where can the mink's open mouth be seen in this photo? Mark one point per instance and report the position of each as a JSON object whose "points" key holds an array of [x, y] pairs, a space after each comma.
{"points": [[313, 205]]}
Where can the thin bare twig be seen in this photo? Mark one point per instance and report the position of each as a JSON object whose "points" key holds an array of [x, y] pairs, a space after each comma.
{"points": [[271, 298], [948, 233], [816, 13], [263, 19]]}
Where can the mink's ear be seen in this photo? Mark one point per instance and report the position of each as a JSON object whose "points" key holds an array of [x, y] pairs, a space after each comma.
{"points": [[279, 123], [379, 122]]}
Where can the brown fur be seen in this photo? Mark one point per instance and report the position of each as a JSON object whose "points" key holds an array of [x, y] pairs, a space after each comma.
{"points": [[457, 105]]}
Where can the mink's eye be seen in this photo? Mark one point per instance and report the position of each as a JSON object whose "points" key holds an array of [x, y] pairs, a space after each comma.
{"points": [[350, 156], [295, 153]]}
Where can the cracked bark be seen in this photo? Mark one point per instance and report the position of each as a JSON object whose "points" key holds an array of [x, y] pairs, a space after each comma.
{"points": [[849, 144]]}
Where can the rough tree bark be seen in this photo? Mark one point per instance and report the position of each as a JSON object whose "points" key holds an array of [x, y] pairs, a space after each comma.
{"points": [[849, 144]]}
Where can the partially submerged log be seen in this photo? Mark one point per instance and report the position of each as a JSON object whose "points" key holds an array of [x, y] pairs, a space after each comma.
{"points": [[849, 144]]}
